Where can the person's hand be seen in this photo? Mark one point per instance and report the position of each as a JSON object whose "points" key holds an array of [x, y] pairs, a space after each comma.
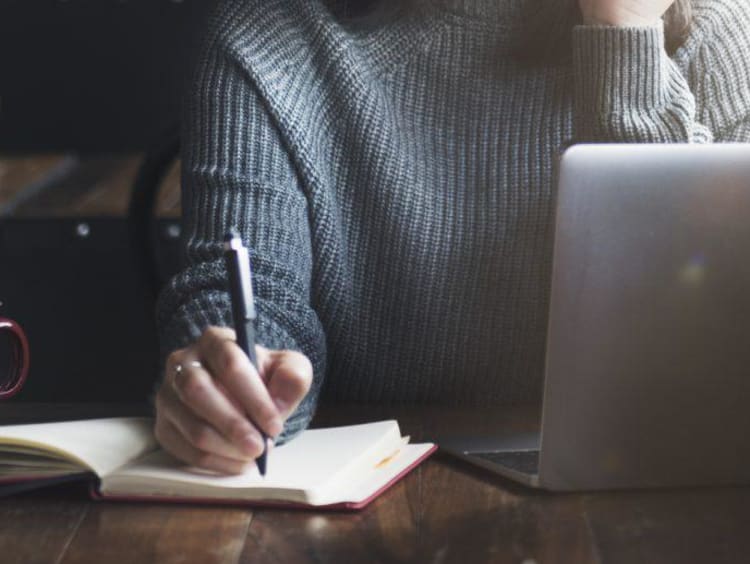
{"points": [[212, 402], [624, 13]]}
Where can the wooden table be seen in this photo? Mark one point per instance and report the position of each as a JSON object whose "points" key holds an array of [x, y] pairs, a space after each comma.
{"points": [[445, 511]]}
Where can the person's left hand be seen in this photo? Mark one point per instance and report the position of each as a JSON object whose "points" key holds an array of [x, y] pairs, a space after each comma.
{"points": [[624, 13]]}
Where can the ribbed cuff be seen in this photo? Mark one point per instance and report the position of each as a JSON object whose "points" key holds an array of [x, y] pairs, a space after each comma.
{"points": [[620, 69]]}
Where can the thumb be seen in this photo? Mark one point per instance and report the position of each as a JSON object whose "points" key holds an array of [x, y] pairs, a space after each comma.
{"points": [[288, 375]]}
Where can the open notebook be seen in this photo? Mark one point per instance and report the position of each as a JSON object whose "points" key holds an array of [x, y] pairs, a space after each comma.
{"points": [[337, 467]]}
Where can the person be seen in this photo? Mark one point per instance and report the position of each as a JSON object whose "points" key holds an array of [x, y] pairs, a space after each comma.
{"points": [[391, 171]]}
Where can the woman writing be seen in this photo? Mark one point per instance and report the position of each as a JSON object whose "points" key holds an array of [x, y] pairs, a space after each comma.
{"points": [[391, 171]]}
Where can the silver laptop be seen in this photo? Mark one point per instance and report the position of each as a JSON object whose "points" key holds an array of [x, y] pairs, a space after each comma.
{"points": [[647, 379]]}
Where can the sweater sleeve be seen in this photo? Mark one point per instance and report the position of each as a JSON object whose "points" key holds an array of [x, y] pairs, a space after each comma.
{"points": [[236, 172], [629, 90]]}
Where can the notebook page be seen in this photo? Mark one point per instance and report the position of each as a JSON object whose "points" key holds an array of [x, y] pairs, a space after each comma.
{"points": [[378, 476], [312, 460], [100, 445]]}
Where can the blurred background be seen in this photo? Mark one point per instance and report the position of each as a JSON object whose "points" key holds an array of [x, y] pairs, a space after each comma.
{"points": [[90, 94]]}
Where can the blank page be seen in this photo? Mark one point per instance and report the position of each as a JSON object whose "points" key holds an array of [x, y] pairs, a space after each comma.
{"points": [[100, 445], [295, 472]]}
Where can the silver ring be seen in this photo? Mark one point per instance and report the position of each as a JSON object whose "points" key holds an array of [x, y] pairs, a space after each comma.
{"points": [[178, 368]]}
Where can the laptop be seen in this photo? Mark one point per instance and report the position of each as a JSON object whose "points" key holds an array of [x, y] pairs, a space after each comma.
{"points": [[647, 378]]}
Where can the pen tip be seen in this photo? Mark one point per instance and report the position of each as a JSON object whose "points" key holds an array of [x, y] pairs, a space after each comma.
{"points": [[261, 462], [233, 233]]}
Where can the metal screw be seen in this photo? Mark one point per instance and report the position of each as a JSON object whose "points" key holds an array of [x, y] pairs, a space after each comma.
{"points": [[83, 230], [173, 231]]}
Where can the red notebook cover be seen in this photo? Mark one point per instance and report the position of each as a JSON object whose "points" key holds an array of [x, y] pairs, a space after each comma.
{"points": [[345, 506]]}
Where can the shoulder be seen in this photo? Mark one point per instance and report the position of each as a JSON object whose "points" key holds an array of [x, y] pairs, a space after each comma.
{"points": [[719, 39], [268, 27], [721, 20], [718, 57]]}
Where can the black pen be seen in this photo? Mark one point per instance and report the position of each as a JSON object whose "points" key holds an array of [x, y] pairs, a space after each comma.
{"points": [[243, 309]]}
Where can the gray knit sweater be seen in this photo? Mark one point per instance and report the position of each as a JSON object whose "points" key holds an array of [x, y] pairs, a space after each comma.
{"points": [[394, 181]]}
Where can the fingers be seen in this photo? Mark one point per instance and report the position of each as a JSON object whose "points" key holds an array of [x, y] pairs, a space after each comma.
{"points": [[201, 433], [196, 389], [210, 410], [230, 366], [289, 375], [176, 444], [205, 419]]}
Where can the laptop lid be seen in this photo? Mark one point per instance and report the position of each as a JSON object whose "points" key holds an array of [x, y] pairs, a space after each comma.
{"points": [[648, 355]]}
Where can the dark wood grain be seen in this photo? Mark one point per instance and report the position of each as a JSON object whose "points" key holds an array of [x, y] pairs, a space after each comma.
{"points": [[95, 186], [159, 533], [38, 527], [474, 517], [696, 525], [388, 531], [16, 173], [169, 201], [445, 511]]}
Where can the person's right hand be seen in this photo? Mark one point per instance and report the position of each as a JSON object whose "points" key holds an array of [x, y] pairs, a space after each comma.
{"points": [[212, 402]]}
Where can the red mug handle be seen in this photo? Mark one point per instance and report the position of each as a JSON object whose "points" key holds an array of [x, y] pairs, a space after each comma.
{"points": [[19, 362]]}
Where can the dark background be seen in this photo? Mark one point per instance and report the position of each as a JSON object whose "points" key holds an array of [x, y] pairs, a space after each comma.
{"points": [[93, 75], [92, 80]]}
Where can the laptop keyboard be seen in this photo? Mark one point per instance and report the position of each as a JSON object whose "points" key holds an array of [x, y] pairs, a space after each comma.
{"points": [[524, 461]]}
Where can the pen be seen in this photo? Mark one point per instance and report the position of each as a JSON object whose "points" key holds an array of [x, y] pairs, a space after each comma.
{"points": [[243, 309]]}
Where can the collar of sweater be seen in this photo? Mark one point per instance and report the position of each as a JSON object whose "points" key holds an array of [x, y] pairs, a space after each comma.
{"points": [[498, 10]]}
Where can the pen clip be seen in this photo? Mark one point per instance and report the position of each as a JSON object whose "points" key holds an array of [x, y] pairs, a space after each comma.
{"points": [[238, 258], [245, 273]]}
